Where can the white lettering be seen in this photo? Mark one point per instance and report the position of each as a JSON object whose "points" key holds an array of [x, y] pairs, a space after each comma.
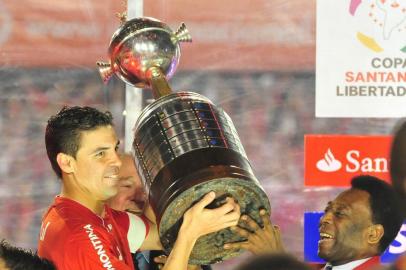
{"points": [[365, 165], [108, 265], [43, 231], [381, 165], [104, 258], [353, 161], [94, 239], [100, 250], [61, 29]]}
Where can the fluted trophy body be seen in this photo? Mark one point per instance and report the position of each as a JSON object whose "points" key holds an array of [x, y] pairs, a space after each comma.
{"points": [[184, 145]]}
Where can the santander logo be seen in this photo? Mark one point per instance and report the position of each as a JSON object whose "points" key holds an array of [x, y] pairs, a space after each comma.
{"points": [[332, 160], [354, 163], [328, 163]]}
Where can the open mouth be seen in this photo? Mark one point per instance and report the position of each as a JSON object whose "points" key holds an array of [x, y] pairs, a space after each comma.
{"points": [[326, 236], [112, 178]]}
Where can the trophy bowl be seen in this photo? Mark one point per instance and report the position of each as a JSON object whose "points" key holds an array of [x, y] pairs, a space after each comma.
{"points": [[139, 45]]}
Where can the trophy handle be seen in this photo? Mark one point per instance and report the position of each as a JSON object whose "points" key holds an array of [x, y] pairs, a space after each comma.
{"points": [[105, 70], [182, 34]]}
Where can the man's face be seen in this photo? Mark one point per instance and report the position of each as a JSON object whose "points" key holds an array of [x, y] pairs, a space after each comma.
{"points": [[131, 195], [344, 227], [97, 163]]}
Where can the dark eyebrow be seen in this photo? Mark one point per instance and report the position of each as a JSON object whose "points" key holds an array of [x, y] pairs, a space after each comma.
{"points": [[98, 149], [343, 206], [103, 148], [340, 206]]}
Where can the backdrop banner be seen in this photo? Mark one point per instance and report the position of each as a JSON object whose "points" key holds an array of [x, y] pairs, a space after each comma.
{"points": [[361, 58], [249, 35]]}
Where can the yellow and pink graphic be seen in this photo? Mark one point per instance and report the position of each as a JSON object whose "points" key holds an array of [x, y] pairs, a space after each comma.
{"points": [[388, 16], [361, 58]]}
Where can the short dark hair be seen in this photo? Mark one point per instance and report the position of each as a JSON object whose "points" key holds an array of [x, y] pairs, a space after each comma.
{"points": [[384, 205], [63, 131], [398, 161], [274, 262], [20, 259]]}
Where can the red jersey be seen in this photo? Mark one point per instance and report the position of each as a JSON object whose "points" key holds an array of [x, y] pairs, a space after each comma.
{"points": [[75, 238], [371, 263]]}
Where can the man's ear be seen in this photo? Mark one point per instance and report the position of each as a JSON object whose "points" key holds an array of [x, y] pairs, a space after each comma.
{"points": [[375, 233], [65, 162]]}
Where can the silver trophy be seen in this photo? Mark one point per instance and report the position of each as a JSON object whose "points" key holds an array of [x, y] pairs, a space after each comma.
{"points": [[184, 145]]}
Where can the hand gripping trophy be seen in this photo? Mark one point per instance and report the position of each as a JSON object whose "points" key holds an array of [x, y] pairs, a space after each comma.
{"points": [[184, 145]]}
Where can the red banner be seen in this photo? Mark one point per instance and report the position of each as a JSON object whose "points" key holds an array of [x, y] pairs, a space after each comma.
{"points": [[332, 160], [244, 34], [228, 35], [56, 33]]}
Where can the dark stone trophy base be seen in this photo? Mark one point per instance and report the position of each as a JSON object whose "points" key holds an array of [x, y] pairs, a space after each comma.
{"points": [[189, 178]]}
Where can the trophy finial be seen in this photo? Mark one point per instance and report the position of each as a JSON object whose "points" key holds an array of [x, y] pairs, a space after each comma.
{"points": [[105, 71], [122, 16], [182, 34]]}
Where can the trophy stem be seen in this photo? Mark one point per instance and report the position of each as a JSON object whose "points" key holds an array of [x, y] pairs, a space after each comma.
{"points": [[157, 80]]}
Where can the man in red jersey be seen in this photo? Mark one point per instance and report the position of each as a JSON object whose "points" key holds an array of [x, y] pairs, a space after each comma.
{"points": [[79, 231]]}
